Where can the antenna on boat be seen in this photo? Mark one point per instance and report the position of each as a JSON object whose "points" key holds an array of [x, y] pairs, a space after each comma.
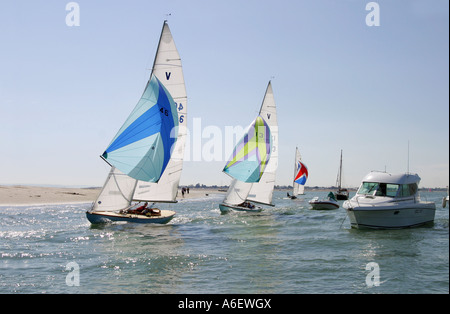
{"points": [[407, 170]]}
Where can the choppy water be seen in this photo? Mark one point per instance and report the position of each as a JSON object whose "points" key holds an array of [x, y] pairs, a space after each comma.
{"points": [[285, 249]]}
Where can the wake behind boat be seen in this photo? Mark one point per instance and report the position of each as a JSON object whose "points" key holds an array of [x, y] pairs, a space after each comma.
{"points": [[254, 162], [389, 201], [146, 155]]}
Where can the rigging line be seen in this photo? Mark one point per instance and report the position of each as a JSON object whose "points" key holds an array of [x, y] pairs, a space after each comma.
{"points": [[120, 190], [167, 64], [345, 217]]}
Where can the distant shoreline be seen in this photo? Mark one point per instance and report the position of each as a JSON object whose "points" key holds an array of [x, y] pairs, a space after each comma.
{"points": [[17, 195]]}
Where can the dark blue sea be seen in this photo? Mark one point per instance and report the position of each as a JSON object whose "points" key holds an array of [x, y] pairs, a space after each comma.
{"points": [[286, 249]]}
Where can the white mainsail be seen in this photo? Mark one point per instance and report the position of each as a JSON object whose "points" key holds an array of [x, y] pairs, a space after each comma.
{"points": [[262, 191], [120, 190]]}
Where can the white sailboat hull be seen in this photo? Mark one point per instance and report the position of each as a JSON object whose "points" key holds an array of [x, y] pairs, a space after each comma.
{"points": [[224, 208], [108, 217], [391, 217]]}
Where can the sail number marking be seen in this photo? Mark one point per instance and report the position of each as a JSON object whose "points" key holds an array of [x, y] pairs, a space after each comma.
{"points": [[164, 111], [180, 107]]}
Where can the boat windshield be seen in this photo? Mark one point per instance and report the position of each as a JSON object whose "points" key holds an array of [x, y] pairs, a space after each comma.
{"points": [[389, 190], [368, 188], [379, 189]]}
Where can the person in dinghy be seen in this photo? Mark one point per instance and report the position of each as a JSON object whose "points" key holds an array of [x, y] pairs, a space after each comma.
{"points": [[331, 196], [247, 205], [145, 210]]}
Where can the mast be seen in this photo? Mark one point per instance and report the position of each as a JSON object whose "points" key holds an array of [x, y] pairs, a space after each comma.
{"points": [[295, 172], [340, 174], [407, 169]]}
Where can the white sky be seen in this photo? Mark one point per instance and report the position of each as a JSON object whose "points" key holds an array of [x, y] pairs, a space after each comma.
{"points": [[338, 83]]}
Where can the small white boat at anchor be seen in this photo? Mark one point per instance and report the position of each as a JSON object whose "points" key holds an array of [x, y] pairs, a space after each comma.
{"points": [[445, 200], [324, 204], [389, 201]]}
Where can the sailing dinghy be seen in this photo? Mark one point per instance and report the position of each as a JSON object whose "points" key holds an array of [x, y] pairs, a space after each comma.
{"points": [[254, 162], [300, 176], [146, 155]]}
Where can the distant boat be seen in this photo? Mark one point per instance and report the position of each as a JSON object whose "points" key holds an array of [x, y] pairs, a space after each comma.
{"points": [[300, 176], [254, 162], [146, 155], [445, 200], [389, 201], [341, 193], [324, 204]]}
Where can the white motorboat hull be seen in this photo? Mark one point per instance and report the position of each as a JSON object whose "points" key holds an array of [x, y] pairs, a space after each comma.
{"points": [[108, 217], [323, 205], [391, 217], [224, 208], [389, 201]]}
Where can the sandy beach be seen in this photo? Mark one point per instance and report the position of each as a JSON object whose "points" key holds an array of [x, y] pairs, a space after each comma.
{"points": [[30, 195]]}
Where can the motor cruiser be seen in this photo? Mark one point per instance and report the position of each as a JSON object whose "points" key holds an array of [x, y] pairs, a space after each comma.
{"points": [[389, 201]]}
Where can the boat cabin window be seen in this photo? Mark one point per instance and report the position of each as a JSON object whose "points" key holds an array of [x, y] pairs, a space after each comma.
{"points": [[368, 188], [389, 190], [386, 189], [408, 189], [379, 189]]}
